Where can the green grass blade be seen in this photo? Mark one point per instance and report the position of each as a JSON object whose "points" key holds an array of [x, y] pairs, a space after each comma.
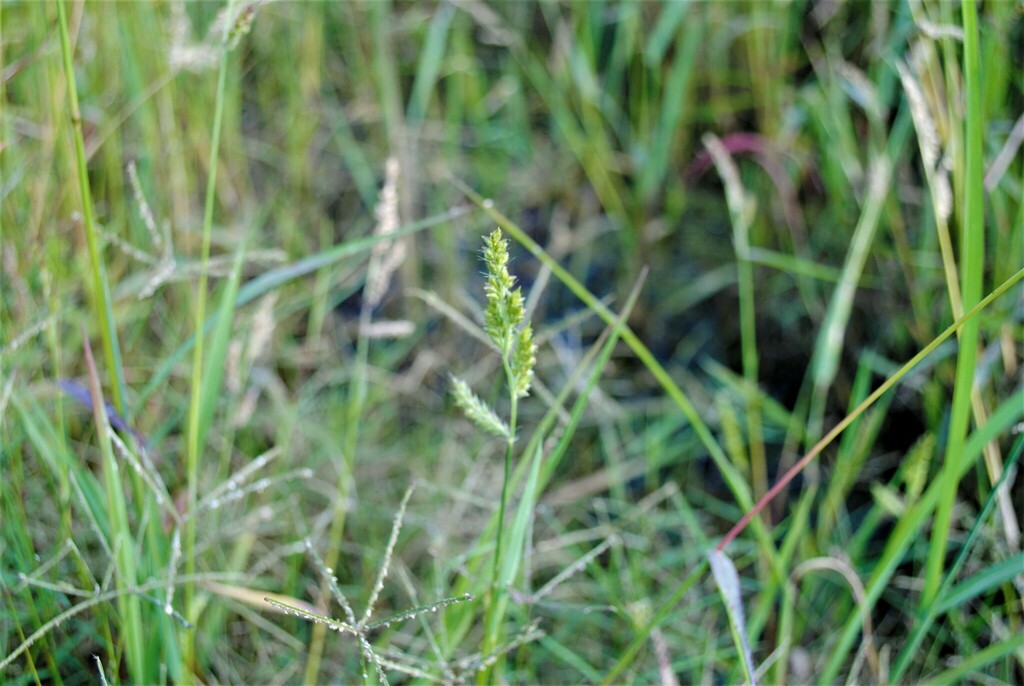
{"points": [[430, 64], [514, 546], [945, 597], [216, 359], [194, 445], [972, 266], [102, 306], [673, 107], [991, 577], [582, 400], [976, 661], [828, 347], [908, 527], [667, 27]]}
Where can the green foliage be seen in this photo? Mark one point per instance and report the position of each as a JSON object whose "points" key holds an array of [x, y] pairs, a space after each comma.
{"points": [[236, 199]]}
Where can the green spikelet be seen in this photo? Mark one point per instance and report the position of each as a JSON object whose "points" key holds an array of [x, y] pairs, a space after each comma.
{"points": [[477, 410], [504, 301], [523, 360], [504, 315]]}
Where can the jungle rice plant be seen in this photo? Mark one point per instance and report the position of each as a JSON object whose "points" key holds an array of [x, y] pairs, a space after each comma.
{"points": [[503, 322]]}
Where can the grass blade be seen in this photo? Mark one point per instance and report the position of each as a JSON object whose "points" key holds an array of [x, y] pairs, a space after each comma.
{"points": [[945, 597], [983, 581], [870, 400], [196, 420], [121, 539], [972, 266], [102, 306], [976, 661], [213, 375]]}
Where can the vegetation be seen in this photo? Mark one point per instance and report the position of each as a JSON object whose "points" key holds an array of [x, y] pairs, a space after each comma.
{"points": [[574, 342]]}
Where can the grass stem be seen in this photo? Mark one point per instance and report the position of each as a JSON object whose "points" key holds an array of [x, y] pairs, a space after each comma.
{"points": [[195, 437]]}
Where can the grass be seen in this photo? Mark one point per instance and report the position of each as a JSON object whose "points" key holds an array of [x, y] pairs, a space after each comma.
{"points": [[769, 257]]}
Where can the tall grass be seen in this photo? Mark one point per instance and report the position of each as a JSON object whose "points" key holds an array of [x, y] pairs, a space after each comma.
{"points": [[972, 265], [769, 255], [206, 373]]}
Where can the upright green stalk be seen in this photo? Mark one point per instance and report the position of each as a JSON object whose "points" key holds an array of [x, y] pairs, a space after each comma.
{"points": [[102, 305], [972, 265], [503, 322], [130, 609], [195, 438]]}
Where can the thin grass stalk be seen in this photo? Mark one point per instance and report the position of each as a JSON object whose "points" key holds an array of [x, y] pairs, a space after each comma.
{"points": [[102, 305], [492, 616], [540, 478], [972, 267], [941, 197], [121, 539], [195, 421]]}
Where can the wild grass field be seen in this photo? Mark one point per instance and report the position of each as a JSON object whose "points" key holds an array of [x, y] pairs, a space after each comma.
{"points": [[515, 342]]}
